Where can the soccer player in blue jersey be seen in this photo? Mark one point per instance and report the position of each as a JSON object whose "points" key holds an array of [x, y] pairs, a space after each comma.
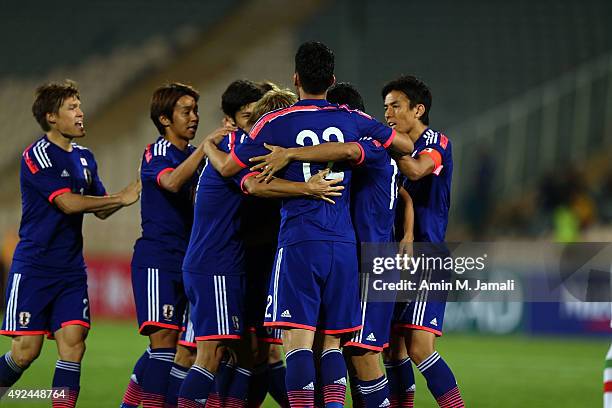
{"points": [[429, 170], [169, 175], [374, 193], [47, 284], [315, 280], [213, 268]]}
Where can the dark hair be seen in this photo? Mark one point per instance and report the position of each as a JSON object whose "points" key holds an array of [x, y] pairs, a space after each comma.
{"points": [[416, 91], [314, 64], [345, 93], [266, 86], [165, 97], [50, 97], [238, 94]]}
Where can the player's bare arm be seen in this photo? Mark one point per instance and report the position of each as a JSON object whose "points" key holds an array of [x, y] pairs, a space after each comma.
{"points": [[405, 245], [279, 157], [221, 161], [316, 187], [175, 179], [402, 144], [71, 203], [416, 169]]}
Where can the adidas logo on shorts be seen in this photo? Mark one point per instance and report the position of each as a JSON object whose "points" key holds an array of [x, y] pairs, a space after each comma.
{"points": [[434, 322], [286, 314], [341, 381], [309, 387], [385, 403], [371, 337], [65, 173]]}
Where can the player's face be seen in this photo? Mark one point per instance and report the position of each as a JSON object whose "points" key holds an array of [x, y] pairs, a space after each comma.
{"points": [[185, 118], [398, 113], [242, 116], [69, 118]]}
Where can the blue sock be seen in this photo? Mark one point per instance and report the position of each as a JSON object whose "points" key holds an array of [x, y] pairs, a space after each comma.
{"points": [[277, 387], [401, 383], [9, 371], [375, 393], [238, 388], [155, 380], [177, 375], [300, 378], [195, 388], [258, 388], [133, 395], [67, 376], [441, 381], [333, 378], [220, 388]]}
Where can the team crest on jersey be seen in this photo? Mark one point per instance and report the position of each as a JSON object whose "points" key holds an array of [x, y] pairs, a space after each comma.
{"points": [[24, 319], [236, 323], [168, 311]]}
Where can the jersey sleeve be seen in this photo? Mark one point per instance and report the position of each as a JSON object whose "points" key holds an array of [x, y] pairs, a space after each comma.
{"points": [[251, 147], [97, 187], [372, 151], [436, 149], [368, 126], [46, 180], [154, 166]]}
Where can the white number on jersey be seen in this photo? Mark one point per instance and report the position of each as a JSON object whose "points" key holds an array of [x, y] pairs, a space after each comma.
{"points": [[314, 139]]}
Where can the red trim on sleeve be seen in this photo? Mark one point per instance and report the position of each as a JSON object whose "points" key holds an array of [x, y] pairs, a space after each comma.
{"points": [[161, 173], [390, 140], [362, 157], [58, 192], [148, 155], [77, 323], [244, 179], [237, 160], [436, 157]]}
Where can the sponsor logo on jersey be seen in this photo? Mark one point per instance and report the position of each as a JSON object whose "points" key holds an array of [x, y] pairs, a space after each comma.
{"points": [[65, 173], [286, 314]]}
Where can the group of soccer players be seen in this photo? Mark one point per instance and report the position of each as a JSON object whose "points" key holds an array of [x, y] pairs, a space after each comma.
{"points": [[220, 280]]}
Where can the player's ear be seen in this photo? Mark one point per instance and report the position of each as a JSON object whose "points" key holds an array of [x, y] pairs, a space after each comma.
{"points": [[296, 80], [51, 118], [227, 121], [420, 110], [333, 82], [163, 119]]}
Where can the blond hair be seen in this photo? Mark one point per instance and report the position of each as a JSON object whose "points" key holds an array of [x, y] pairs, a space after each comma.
{"points": [[272, 100]]}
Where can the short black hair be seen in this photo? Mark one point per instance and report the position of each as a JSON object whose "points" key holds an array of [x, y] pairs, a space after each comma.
{"points": [[163, 101], [415, 89], [314, 64], [345, 93], [49, 99], [239, 93]]}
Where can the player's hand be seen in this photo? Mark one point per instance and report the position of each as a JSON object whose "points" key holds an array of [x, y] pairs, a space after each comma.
{"points": [[405, 246], [271, 163], [130, 194], [323, 189], [216, 136]]}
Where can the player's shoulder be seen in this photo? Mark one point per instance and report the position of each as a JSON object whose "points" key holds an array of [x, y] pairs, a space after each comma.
{"points": [[38, 155], [159, 148], [279, 116], [434, 137]]}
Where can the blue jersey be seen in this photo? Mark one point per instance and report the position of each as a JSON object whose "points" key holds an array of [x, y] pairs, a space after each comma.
{"points": [[215, 246], [431, 194], [50, 240], [310, 122], [374, 193], [166, 216]]}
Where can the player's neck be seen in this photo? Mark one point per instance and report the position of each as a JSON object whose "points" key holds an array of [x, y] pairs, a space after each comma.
{"points": [[305, 95], [417, 131], [58, 139], [178, 142]]}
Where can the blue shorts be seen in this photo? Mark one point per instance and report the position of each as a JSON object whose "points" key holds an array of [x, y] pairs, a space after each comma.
{"points": [[421, 313], [216, 304], [42, 305], [376, 320], [315, 286], [160, 298], [187, 338]]}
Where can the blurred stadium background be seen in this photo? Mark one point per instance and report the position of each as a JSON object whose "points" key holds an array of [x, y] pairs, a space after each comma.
{"points": [[522, 88]]}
